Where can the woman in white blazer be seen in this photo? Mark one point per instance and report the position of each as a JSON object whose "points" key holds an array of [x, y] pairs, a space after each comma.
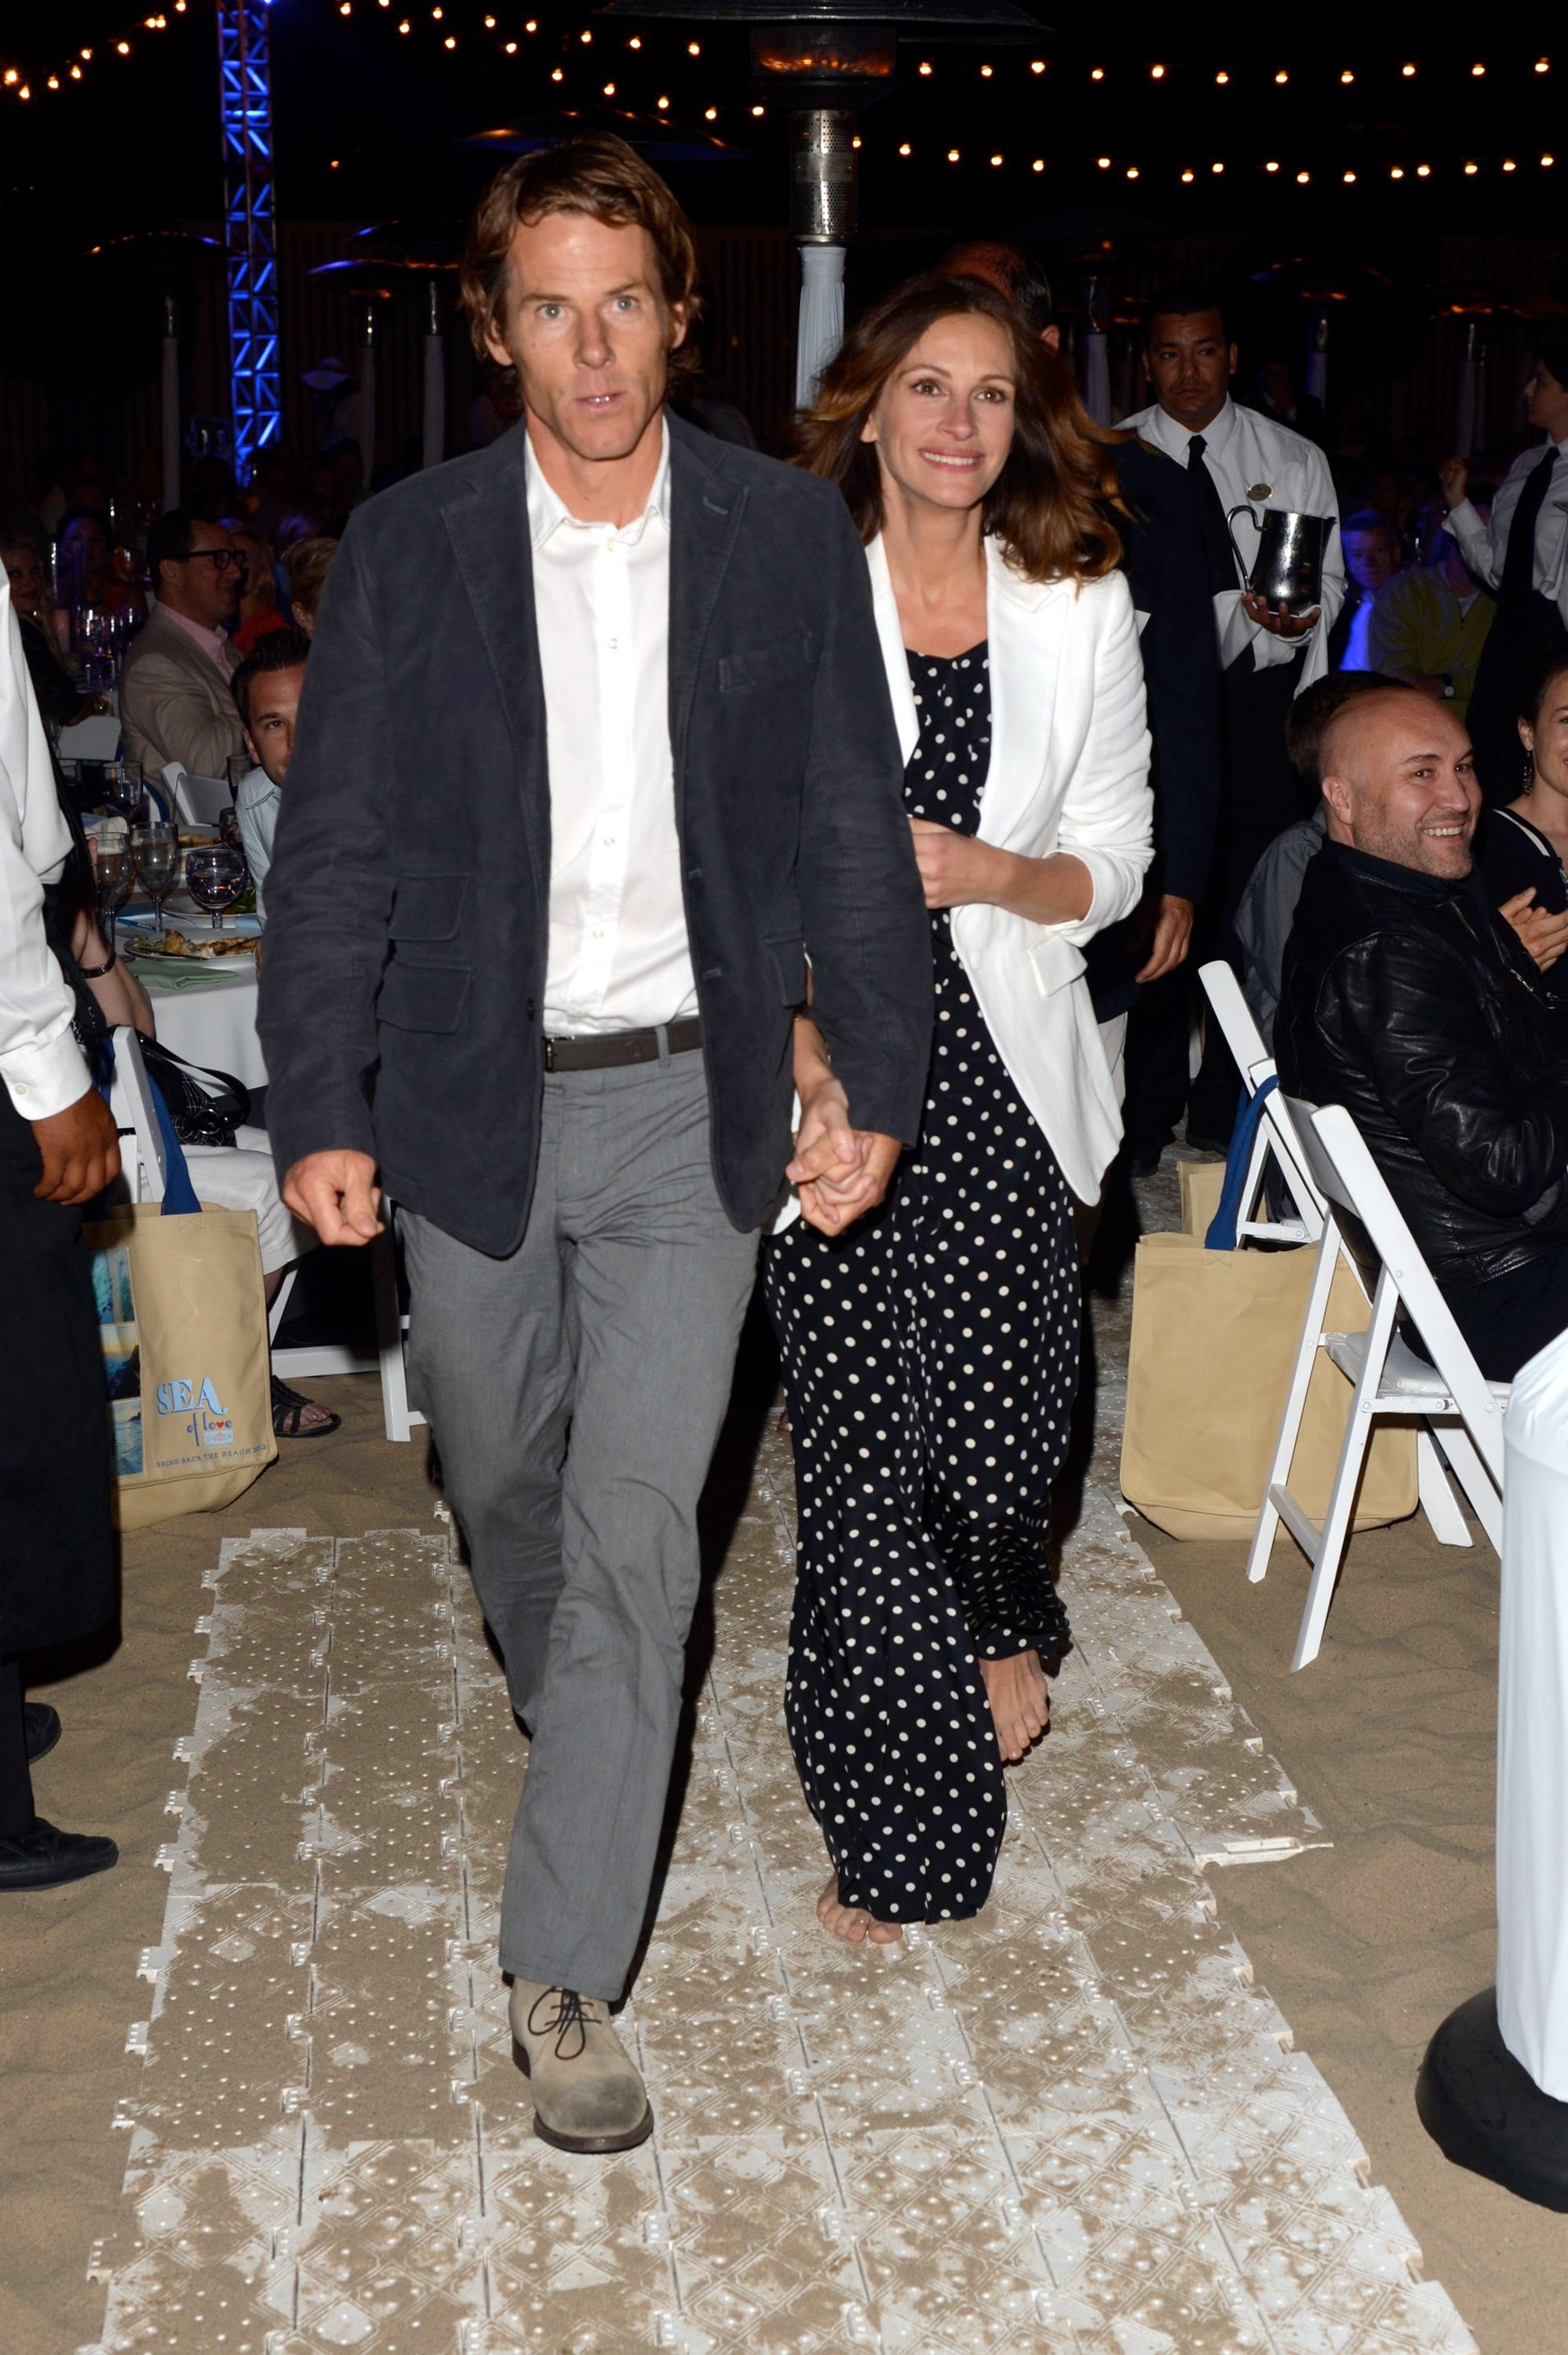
{"points": [[931, 1345]]}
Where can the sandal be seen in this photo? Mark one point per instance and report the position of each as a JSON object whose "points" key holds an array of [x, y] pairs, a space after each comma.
{"points": [[288, 1410]]}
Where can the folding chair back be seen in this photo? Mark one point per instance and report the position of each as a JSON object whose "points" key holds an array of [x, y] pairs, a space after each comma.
{"points": [[1460, 1412], [131, 1102], [199, 800], [1276, 1139]]}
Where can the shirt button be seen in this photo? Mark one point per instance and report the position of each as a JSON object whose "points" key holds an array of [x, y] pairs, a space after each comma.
{"points": [[614, 645]]}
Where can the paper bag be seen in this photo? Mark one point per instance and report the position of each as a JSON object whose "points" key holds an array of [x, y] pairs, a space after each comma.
{"points": [[183, 1319], [1214, 1335]]}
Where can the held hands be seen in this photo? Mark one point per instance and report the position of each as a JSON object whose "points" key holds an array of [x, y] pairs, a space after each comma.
{"points": [[1544, 934], [958, 871], [336, 1193], [1279, 622], [840, 1172], [80, 1150]]}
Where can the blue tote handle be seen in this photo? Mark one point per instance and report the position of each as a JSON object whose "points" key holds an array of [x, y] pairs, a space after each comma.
{"points": [[1221, 1234]]}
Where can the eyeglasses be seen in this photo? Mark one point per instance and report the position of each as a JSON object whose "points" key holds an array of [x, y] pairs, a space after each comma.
{"points": [[222, 560]]}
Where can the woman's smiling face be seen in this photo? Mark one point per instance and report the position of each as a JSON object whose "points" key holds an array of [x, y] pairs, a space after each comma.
{"points": [[943, 424]]}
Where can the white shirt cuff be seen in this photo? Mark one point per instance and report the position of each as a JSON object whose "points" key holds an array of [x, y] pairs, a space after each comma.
{"points": [[43, 1079]]}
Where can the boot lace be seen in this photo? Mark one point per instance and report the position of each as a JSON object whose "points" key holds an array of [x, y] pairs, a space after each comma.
{"points": [[570, 2025]]}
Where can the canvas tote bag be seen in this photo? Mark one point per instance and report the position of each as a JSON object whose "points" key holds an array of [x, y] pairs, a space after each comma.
{"points": [[1215, 1334], [183, 1319]]}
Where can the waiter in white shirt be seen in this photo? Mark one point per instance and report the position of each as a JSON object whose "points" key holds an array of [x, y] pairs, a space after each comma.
{"points": [[1237, 458], [1523, 555], [58, 1149]]}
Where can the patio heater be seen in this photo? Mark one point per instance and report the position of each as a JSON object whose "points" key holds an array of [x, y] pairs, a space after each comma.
{"points": [[826, 60]]}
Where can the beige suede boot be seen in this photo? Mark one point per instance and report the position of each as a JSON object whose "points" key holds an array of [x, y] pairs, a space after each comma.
{"points": [[587, 2094]]}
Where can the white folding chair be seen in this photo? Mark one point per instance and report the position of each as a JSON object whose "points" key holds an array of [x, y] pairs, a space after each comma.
{"points": [[198, 801], [1276, 1139], [391, 1328], [1457, 1409]]}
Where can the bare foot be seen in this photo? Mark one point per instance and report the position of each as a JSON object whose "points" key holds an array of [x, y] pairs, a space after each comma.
{"points": [[853, 1921], [1019, 1701]]}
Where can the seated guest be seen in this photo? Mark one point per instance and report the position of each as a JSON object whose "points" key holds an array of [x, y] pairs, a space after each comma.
{"points": [[1408, 1000], [174, 703], [1267, 907], [1428, 625], [266, 690], [1372, 557], [1524, 845], [259, 610], [307, 564], [59, 696]]}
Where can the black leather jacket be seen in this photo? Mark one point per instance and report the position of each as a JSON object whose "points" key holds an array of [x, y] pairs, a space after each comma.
{"points": [[1409, 1002]]}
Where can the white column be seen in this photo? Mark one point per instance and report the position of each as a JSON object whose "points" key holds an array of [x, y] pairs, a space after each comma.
{"points": [[170, 407], [821, 316], [1532, 1725], [367, 399], [435, 444], [1465, 399]]}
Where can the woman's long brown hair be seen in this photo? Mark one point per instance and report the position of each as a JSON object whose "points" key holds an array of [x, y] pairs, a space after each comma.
{"points": [[1047, 506]]}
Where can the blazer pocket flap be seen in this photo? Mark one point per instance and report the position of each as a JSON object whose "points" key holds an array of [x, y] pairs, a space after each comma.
{"points": [[431, 997], [789, 957], [1055, 963], [770, 665], [428, 907]]}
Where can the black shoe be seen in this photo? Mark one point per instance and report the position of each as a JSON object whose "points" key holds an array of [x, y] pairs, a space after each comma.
{"points": [[1200, 1143], [41, 1725], [46, 1858], [1146, 1159]]}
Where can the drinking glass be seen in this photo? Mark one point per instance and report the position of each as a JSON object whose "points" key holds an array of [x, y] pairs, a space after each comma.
{"points": [[156, 850], [112, 866], [124, 791], [215, 875], [239, 769]]}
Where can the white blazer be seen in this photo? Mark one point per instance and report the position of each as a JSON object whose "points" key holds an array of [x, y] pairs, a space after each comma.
{"points": [[1069, 771]]}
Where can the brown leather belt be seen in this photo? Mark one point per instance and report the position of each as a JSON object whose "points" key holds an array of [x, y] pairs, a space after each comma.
{"points": [[608, 1048]]}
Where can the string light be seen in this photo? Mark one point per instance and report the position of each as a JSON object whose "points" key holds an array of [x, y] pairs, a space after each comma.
{"points": [[1271, 167], [1471, 171], [1423, 171], [1347, 75], [1477, 71], [610, 90], [1548, 159], [1186, 175], [1104, 162], [996, 159], [756, 110], [925, 68], [905, 149], [1217, 167], [1408, 71], [1222, 79], [1282, 76], [1096, 73], [985, 73], [1543, 64], [1350, 179], [1397, 173], [634, 43], [952, 154], [1157, 73], [557, 75], [1132, 171], [1038, 164], [693, 48], [1302, 178], [1036, 65], [1508, 164], [661, 101]]}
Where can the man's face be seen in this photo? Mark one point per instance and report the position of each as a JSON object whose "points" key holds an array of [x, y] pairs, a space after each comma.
{"points": [[1546, 402], [584, 323], [205, 586], [1370, 559], [1189, 366], [1402, 784], [274, 704]]}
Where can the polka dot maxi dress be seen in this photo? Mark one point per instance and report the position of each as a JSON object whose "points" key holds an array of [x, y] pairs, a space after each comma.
{"points": [[931, 1358]]}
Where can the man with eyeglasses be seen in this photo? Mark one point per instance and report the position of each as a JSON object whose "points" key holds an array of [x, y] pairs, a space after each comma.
{"points": [[174, 701]]}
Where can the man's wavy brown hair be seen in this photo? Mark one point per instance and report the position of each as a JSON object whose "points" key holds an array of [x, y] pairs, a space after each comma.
{"points": [[601, 176], [1045, 505]]}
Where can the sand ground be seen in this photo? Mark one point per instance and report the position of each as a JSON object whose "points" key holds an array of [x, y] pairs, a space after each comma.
{"points": [[1364, 1946]]}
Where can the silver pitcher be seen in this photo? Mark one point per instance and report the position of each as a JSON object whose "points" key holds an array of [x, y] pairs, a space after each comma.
{"points": [[1288, 567]]}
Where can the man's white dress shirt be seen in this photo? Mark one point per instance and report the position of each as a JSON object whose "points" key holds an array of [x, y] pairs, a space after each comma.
{"points": [[1253, 459], [40, 1062], [1484, 545], [620, 958]]}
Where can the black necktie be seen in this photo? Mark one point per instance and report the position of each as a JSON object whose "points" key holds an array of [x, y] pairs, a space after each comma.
{"points": [[1518, 579], [1212, 514]]}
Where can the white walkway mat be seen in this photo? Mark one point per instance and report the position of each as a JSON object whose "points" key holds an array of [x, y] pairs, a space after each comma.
{"points": [[1073, 2126]]}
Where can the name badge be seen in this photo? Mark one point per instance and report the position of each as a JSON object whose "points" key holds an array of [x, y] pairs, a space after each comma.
{"points": [[1260, 490]]}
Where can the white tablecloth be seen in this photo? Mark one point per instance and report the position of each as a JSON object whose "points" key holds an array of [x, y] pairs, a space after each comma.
{"points": [[213, 1024]]}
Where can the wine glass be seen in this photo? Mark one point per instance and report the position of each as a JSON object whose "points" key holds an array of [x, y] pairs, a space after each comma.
{"points": [[124, 790], [112, 869], [214, 873], [157, 854]]}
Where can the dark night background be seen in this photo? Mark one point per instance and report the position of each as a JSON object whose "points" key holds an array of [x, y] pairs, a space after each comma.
{"points": [[369, 125]]}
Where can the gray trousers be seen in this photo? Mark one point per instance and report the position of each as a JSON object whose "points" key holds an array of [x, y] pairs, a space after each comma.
{"points": [[576, 1391]]}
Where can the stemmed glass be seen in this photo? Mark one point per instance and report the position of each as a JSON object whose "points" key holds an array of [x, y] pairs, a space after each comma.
{"points": [[124, 790], [214, 873], [157, 855], [112, 866]]}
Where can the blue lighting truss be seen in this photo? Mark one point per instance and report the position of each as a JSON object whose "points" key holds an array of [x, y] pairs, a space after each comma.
{"points": [[246, 86]]}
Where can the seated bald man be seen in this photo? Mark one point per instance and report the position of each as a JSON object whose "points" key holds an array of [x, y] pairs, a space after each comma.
{"points": [[1410, 1001]]}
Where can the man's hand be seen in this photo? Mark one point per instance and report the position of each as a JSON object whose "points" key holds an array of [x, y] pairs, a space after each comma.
{"points": [[1279, 622], [958, 871], [81, 1151], [336, 1193], [1453, 476], [1544, 934], [1172, 937], [832, 1201]]}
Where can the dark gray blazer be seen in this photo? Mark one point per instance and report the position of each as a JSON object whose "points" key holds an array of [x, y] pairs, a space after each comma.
{"points": [[403, 971]]}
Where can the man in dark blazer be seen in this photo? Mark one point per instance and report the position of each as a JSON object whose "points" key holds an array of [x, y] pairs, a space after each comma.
{"points": [[595, 752]]}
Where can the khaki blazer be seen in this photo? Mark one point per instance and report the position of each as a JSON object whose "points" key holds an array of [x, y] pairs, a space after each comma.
{"points": [[174, 704]]}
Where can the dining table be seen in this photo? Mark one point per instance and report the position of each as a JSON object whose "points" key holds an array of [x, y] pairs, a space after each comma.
{"points": [[203, 1007]]}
